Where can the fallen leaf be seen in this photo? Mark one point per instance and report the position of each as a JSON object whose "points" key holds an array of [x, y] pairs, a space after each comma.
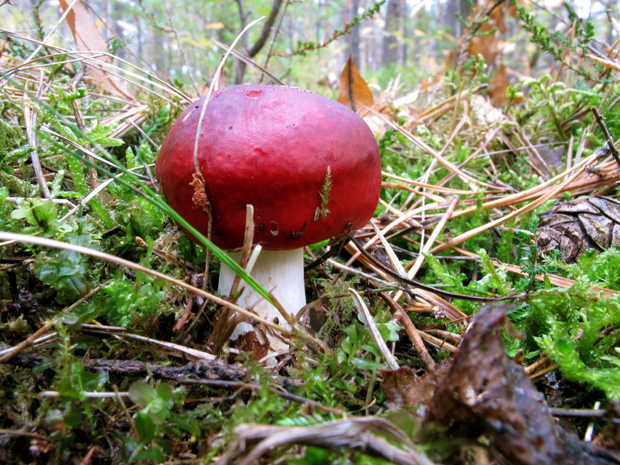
{"points": [[497, 87], [354, 91], [485, 45], [404, 389], [249, 342], [88, 39]]}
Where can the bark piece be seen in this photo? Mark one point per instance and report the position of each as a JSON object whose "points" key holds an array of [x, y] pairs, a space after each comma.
{"points": [[485, 393], [199, 370]]}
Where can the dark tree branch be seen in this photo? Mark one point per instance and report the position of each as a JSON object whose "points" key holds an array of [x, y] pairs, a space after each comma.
{"points": [[264, 35]]}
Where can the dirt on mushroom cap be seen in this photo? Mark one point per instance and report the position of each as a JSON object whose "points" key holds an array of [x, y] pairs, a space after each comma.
{"points": [[310, 166]]}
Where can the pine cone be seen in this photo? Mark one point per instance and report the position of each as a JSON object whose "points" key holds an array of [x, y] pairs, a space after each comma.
{"points": [[576, 226]]}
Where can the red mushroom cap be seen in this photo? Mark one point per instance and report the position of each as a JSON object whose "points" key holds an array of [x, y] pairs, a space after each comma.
{"points": [[310, 166]]}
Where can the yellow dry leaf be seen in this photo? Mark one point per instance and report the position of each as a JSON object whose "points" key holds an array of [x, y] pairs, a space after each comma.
{"points": [[354, 91], [88, 39]]}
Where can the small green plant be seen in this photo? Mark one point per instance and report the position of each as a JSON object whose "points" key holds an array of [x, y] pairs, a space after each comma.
{"points": [[550, 96], [547, 42], [574, 337], [357, 351], [153, 423], [305, 47], [512, 93], [65, 270], [131, 302], [325, 193]]}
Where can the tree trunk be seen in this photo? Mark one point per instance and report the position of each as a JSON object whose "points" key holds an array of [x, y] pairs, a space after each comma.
{"points": [[351, 8], [393, 48], [454, 7], [261, 41]]}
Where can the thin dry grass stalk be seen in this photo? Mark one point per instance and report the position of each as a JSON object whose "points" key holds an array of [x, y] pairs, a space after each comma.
{"points": [[418, 142], [412, 331], [560, 188], [366, 318], [43, 242]]}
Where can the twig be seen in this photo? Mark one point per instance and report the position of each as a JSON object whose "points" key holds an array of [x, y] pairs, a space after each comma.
{"points": [[146, 136], [247, 60], [544, 371], [412, 331], [6, 355], [428, 149], [89, 395], [253, 386], [168, 345], [334, 249], [87, 56], [414, 268], [608, 139], [149, 173], [438, 343], [88, 153], [203, 111], [260, 42], [577, 412], [124, 407], [355, 433], [216, 77], [86, 297], [425, 287], [79, 119], [26, 434], [580, 168], [49, 34]]}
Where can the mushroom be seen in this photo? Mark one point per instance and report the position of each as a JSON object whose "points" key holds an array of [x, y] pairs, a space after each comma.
{"points": [[310, 167]]}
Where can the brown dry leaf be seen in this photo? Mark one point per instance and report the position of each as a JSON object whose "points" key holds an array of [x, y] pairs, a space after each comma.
{"points": [[249, 342], [486, 394], [497, 87], [89, 39], [437, 77], [403, 389], [485, 45], [354, 92]]}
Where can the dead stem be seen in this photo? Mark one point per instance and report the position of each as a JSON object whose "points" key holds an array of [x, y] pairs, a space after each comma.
{"points": [[608, 139], [79, 119], [30, 118], [412, 331]]}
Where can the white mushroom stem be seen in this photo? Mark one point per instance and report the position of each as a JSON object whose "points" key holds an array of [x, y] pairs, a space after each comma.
{"points": [[282, 270]]}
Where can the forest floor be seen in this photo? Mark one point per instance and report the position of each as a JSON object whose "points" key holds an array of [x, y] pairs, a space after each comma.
{"points": [[473, 320]]}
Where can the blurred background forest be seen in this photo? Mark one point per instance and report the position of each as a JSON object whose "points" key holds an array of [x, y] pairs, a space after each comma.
{"points": [[418, 39], [480, 178]]}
